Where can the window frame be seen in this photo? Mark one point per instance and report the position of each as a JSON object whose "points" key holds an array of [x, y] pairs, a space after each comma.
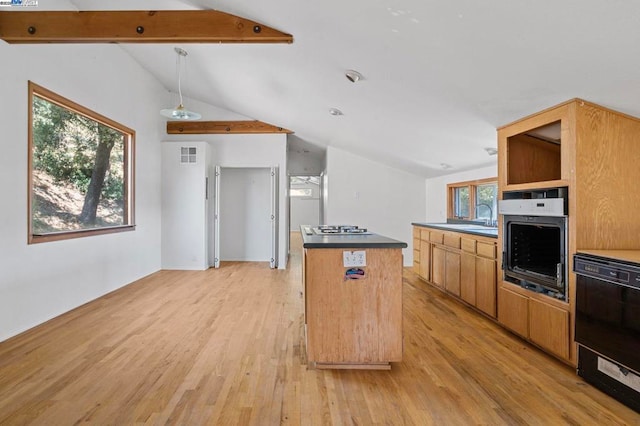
{"points": [[128, 163], [473, 186]]}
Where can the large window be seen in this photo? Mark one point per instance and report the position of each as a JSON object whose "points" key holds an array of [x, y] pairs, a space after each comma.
{"points": [[473, 200], [80, 170]]}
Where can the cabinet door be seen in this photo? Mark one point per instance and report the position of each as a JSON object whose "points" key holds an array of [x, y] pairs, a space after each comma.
{"points": [[425, 260], [468, 278], [438, 263], [486, 285], [513, 311], [549, 327], [452, 273]]}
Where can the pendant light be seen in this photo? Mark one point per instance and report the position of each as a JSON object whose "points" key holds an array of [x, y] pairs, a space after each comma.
{"points": [[179, 112]]}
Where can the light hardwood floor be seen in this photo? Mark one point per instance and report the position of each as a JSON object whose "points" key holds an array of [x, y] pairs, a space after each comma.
{"points": [[225, 347]]}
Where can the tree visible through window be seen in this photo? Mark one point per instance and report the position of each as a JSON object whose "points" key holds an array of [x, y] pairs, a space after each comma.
{"points": [[473, 200], [80, 170]]}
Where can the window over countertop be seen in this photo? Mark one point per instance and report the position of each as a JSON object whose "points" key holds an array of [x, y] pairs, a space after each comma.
{"points": [[473, 200], [81, 170]]}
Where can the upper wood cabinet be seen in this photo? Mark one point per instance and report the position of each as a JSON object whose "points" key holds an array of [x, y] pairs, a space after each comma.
{"points": [[533, 151]]}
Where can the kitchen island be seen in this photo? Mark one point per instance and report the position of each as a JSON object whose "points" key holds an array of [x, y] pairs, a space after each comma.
{"points": [[353, 300]]}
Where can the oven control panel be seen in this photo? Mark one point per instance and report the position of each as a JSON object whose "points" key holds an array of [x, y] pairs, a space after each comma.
{"points": [[607, 270]]}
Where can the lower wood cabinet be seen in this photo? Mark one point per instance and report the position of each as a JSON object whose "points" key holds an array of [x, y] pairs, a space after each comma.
{"points": [[462, 264], [541, 323], [549, 327], [438, 266], [466, 266], [486, 285], [452, 272], [513, 312], [425, 260], [468, 278]]}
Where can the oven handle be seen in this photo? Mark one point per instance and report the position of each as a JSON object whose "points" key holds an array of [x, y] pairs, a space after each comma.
{"points": [[560, 275]]}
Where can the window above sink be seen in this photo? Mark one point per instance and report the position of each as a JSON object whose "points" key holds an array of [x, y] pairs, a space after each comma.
{"points": [[474, 201]]}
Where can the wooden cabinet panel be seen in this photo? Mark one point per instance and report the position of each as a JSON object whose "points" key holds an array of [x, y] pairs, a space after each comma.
{"points": [[486, 285], [438, 266], [468, 277], [513, 311], [436, 237], [549, 327], [358, 321], [416, 233], [487, 250], [451, 240], [468, 245], [424, 234], [452, 272], [425, 260]]}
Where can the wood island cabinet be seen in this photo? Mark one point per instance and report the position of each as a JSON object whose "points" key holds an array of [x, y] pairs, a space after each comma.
{"points": [[462, 264], [593, 152], [352, 323]]}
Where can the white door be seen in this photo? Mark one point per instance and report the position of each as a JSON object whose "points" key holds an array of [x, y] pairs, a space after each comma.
{"points": [[274, 218], [216, 219]]}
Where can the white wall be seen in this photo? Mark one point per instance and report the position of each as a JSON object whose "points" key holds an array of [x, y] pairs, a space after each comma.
{"points": [[245, 214], [369, 194], [248, 151], [184, 207], [309, 164], [41, 281], [436, 191]]}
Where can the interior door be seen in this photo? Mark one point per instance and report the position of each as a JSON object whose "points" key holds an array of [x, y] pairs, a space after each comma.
{"points": [[216, 219], [273, 263]]}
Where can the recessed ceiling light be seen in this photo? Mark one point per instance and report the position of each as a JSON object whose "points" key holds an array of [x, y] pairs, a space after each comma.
{"points": [[353, 76], [491, 150], [335, 111]]}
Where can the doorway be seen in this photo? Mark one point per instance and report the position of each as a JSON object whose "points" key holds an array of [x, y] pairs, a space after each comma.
{"points": [[245, 215], [305, 203]]}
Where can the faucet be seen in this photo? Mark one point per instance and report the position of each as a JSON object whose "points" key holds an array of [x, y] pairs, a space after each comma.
{"points": [[489, 221]]}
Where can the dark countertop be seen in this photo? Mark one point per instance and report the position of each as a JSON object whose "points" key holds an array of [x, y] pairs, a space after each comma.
{"points": [[347, 241], [480, 230]]}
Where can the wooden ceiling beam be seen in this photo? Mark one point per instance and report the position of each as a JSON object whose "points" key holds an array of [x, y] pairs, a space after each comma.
{"points": [[164, 26], [222, 127]]}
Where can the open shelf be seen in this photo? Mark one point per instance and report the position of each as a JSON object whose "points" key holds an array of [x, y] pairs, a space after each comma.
{"points": [[534, 155]]}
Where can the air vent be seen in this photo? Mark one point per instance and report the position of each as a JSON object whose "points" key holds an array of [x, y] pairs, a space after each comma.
{"points": [[188, 154]]}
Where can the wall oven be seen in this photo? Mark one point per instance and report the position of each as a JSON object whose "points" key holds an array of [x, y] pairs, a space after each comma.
{"points": [[608, 325], [535, 240]]}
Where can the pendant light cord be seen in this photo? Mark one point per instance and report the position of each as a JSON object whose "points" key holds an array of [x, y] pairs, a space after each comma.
{"points": [[180, 53]]}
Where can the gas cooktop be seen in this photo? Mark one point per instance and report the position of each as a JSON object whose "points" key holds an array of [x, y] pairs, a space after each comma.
{"points": [[339, 230]]}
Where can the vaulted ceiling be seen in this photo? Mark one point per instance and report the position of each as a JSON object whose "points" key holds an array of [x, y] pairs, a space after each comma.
{"points": [[439, 76]]}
